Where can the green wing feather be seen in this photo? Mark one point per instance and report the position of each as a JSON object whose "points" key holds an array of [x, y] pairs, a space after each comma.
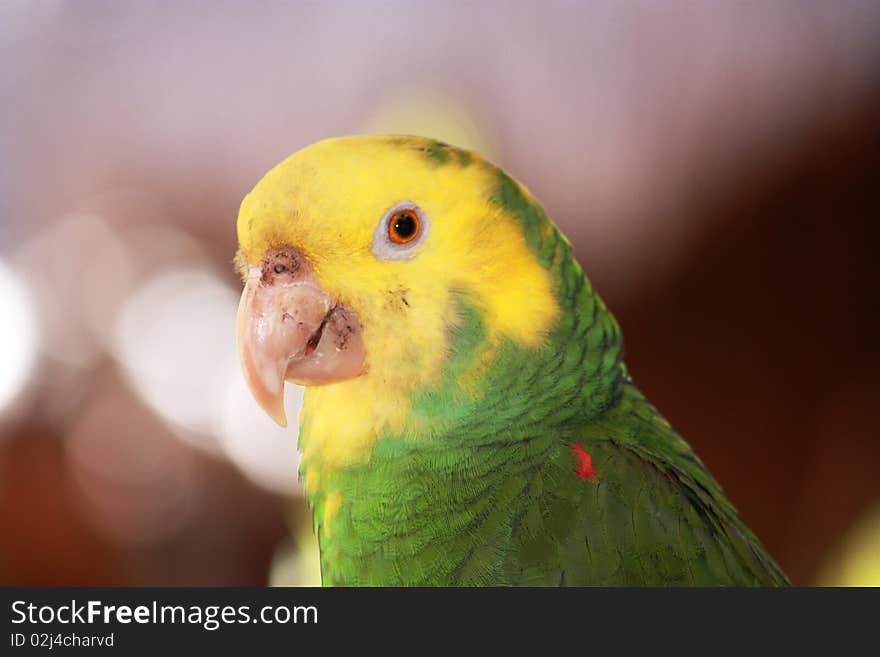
{"points": [[653, 515]]}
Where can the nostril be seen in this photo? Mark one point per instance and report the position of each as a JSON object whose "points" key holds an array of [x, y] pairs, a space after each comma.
{"points": [[284, 262]]}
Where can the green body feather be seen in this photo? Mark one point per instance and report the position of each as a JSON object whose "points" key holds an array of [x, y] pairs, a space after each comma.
{"points": [[491, 497]]}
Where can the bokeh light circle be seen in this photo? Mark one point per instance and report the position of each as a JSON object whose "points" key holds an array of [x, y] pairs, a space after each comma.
{"points": [[18, 337]]}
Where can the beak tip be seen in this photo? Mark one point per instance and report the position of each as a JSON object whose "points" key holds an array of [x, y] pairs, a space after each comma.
{"points": [[274, 408]]}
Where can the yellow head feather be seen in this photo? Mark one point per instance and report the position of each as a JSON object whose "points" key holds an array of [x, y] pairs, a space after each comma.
{"points": [[327, 200]]}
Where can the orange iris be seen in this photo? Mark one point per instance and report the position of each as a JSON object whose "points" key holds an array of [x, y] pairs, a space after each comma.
{"points": [[403, 226]]}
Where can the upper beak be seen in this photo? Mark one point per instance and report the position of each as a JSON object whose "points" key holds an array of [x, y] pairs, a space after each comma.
{"points": [[291, 329]]}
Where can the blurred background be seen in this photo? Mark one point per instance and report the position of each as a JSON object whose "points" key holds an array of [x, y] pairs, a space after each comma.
{"points": [[715, 164]]}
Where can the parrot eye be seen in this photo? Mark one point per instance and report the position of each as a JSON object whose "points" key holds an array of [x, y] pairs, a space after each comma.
{"points": [[403, 226], [402, 229]]}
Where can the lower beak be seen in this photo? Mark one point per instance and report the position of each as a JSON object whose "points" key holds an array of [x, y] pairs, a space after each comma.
{"points": [[294, 331]]}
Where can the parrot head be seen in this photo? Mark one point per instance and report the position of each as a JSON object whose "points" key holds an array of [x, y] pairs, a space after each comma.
{"points": [[358, 255]]}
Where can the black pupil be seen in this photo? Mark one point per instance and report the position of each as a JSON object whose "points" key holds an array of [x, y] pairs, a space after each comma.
{"points": [[405, 225], [279, 269]]}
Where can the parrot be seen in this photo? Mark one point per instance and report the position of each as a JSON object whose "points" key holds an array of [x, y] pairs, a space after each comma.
{"points": [[468, 418]]}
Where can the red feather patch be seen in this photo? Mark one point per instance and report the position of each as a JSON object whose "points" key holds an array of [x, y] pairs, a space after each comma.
{"points": [[584, 470]]}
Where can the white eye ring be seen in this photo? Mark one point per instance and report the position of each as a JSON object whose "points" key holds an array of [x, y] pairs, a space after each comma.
{"points": [[384, 248]]}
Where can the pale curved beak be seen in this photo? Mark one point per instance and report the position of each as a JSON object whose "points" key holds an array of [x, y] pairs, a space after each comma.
{"points": [[289, 329]]}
